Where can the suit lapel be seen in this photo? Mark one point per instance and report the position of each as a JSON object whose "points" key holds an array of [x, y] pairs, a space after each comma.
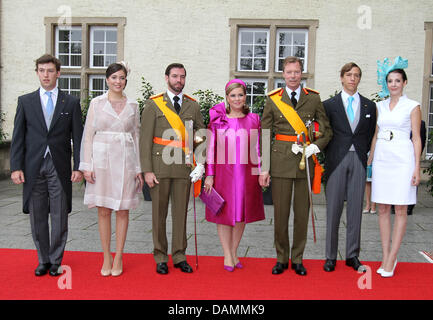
{"points": [[342, 111], [185, 105], [362, 112], [38, 111], [285, 98], [60, 104], [302, 100], [168, 102]]}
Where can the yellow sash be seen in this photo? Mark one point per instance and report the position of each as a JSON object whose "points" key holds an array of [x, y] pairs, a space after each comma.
{"points": [[290, 114], [182, 135], [175, 122], [298, 125]]}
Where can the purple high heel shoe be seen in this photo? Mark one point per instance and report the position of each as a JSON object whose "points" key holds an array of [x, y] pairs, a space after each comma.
{"points": [[239, 265], [229, 268]]}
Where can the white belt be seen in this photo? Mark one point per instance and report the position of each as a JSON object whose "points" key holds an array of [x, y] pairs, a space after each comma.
{"points": [[389, 135], [118, 136]]}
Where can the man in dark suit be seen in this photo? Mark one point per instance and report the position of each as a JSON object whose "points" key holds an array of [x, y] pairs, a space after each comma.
{"points": [[353, 121], [45, 122], [167, 178]]}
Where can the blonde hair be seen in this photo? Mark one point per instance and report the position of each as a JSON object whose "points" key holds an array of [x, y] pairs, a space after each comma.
{"points": [[229, 89]]}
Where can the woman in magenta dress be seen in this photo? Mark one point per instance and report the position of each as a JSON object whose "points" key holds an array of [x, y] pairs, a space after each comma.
{"points": [[233, 168]]}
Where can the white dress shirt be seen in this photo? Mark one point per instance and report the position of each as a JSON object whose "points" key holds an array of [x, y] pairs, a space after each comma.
{"points": [[44, 97], [355, 106], [298, 92], [356, 101], [171, 96], [44, 101]]}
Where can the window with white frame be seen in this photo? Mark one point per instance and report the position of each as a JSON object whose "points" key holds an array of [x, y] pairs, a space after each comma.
{"points": [[291, 42], [97, 85], [71, 84], [103, 46], [255, 88], [253, 49], [85, 48], [68, 46], [258, 48]]}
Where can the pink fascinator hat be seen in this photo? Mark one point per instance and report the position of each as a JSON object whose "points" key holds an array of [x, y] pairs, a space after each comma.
{"points": [[236, 81]]}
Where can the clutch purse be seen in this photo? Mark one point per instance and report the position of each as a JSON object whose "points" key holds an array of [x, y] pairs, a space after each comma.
{"points": [[369, 171], [213, 201]]}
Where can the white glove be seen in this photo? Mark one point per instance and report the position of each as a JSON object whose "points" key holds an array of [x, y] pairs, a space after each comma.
{"points": [[197, 173], [309, 150], [297, 148]]}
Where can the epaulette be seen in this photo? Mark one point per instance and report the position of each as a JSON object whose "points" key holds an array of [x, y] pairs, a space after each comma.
{"points": [[275, 91], [309, 89], [190, 98], [156, 95]]}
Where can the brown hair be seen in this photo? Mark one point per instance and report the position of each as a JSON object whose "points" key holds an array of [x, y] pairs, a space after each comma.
{"points": [[401, 71], [347, 67], [291, 59], [229, 89], [47, 58], [113, 68], [174, 65]]}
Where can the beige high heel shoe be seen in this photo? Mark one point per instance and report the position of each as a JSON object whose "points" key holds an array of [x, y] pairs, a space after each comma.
{"points": [[106, 272], [116, 273]]}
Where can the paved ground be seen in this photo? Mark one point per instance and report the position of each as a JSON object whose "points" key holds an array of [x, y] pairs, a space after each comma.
{"points": [[257, 240]]}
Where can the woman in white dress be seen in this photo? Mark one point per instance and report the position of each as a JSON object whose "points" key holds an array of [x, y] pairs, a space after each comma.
{"points": [[395, 160], [110, 162]]}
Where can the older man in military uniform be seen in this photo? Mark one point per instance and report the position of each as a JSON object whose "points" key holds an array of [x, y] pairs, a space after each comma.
{"points": [[166, 166], [287, 112]]}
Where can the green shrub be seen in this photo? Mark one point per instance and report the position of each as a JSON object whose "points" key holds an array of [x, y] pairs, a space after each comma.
{"points": [[206, 100]]}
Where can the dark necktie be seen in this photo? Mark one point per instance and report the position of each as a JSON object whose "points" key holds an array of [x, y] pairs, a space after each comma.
{"points": [[293, 99], [176, 104]]}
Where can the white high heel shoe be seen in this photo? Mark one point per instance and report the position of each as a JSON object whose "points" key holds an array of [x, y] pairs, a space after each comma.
{"points": [[379, 271], [386, 274]]}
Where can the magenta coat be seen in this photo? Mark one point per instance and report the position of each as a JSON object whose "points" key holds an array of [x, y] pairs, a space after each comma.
{"points": [[235, 173]]}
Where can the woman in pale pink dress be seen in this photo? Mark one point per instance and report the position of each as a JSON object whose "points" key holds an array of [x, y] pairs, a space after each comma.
{"points": [[232, 169], [110, 162]]}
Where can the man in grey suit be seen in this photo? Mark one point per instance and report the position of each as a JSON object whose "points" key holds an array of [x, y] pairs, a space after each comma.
{"points": [[353, 122], [45, 122]]}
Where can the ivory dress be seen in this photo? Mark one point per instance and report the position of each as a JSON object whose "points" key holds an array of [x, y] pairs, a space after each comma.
{"points": [[394, 159], [232, 158], [110, 149]]}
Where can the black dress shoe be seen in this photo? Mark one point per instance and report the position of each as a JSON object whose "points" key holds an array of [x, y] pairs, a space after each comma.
{"points": [[355, 264], [299, 269], [279, 268], [162, 268], [330, 265], [55, 270], [42, 269], [184, 266]]}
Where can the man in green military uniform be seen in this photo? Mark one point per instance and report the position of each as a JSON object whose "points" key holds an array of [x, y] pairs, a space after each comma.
{"points": [[286, 108], [166, 165]]}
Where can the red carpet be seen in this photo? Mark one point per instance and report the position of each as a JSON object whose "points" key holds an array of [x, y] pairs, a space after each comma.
{"points": [[210, 282]]}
